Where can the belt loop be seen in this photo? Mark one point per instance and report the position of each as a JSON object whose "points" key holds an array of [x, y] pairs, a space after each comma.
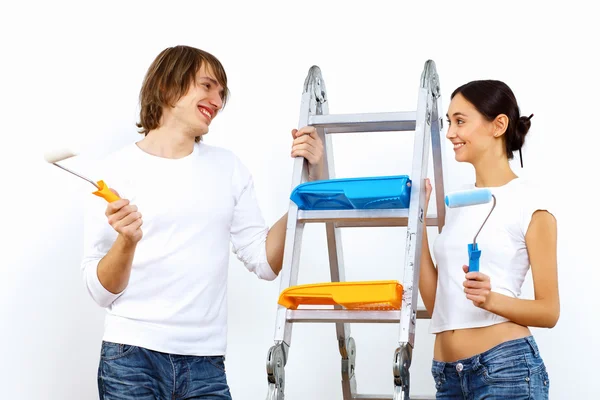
{"points": [[476, 363], [533, 345], [438, 366]]}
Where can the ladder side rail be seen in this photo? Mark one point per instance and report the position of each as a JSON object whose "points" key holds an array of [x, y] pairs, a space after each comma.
{"points": [[291, 255], [277, 355], [438, 156], [335, 252], [414, 236]]}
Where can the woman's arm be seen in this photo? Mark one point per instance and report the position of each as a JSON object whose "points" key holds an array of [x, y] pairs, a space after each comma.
{"points": [[428, 272], [544, 311]]}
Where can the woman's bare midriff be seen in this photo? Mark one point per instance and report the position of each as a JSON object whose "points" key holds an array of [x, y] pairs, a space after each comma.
{"points": [[459, 344]]}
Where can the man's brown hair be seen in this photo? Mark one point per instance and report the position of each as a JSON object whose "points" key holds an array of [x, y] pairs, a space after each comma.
{"points": [[169, 77]]}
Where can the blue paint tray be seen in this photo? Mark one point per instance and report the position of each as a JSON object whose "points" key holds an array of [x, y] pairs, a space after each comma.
{"points": [[381, 192]]}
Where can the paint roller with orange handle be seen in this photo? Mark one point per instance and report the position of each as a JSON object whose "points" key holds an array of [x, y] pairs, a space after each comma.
{"points": [[53, 157]]}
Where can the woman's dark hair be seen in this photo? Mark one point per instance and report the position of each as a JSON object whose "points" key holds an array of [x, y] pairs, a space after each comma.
{"points": [[492, 98]]}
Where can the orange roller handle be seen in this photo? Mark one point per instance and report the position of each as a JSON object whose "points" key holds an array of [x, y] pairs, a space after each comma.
{"points": [[105, 192]]}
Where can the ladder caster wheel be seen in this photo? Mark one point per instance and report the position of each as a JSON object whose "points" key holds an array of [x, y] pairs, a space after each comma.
{"points": [[274, 393], [276, 372], [402, 361]]}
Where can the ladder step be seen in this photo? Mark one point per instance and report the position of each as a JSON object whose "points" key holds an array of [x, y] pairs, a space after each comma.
{"points": [[349, 316], [361, 218], [361, 295], [368, 122]]}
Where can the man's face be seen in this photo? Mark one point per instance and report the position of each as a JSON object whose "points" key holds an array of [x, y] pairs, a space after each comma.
{"points": [[199, 106]]}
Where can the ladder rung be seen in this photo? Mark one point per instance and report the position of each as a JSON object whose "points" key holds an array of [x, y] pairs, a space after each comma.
{"points": [[349, 316], [368, 122], [361, 218]]}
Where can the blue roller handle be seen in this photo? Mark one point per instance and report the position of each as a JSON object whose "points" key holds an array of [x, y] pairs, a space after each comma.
{"points": [[474, 255], [467, 198]]}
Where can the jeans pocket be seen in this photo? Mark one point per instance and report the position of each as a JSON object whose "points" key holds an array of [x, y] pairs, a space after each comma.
{"points": [[540, 380], [217, 362], [114, 351], [511, 370], [535, 363]]}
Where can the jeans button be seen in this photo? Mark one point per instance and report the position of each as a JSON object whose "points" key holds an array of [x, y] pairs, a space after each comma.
{"points": [[459, 367]]}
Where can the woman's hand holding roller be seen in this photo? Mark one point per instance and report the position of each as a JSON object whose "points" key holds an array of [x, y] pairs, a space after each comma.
{"points": [[478, 288]]}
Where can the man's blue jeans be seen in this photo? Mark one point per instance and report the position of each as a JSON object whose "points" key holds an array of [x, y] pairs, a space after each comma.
{"points": [[130, 372]]}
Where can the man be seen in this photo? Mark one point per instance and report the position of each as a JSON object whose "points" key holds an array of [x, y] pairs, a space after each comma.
{"points": [[157, 258]]}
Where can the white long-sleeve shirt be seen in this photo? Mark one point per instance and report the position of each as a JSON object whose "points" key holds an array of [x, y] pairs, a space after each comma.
{"points": [[192, 208]]}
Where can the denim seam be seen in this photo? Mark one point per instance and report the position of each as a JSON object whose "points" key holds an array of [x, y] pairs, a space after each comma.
{"points": [[186, 388], [174, 377], [189, 382], [103, 385]]}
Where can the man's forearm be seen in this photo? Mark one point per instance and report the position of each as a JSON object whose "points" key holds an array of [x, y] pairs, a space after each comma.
{"points": [[276, 244], [115, 267]]}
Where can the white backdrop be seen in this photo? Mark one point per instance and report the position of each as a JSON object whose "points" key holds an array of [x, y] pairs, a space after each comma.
{"points": [[70, 76]]}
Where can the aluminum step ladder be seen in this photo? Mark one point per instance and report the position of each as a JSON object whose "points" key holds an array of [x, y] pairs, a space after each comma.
{"points": [[426, 122]]}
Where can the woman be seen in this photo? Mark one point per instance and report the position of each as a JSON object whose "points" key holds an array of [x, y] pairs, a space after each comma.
{"points": [[483, 346]]}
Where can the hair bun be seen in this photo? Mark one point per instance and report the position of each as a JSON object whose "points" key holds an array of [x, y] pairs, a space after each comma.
{"points": [[523, 125]]}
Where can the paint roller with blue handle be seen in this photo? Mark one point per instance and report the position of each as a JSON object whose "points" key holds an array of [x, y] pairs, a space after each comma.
{"points": [[467, 198]]}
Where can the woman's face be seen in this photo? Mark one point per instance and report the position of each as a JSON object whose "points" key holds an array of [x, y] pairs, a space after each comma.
{"points": [[470, 133]]}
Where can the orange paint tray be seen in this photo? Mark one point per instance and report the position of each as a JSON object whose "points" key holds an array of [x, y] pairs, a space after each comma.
{"points": [[366, 295]]}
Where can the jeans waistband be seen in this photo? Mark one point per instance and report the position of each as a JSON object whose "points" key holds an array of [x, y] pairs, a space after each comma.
{"points": [[516, 346]]}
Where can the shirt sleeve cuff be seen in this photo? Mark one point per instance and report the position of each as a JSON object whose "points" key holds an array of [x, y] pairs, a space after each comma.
{"points": [[99, 293], [267, 272]]}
